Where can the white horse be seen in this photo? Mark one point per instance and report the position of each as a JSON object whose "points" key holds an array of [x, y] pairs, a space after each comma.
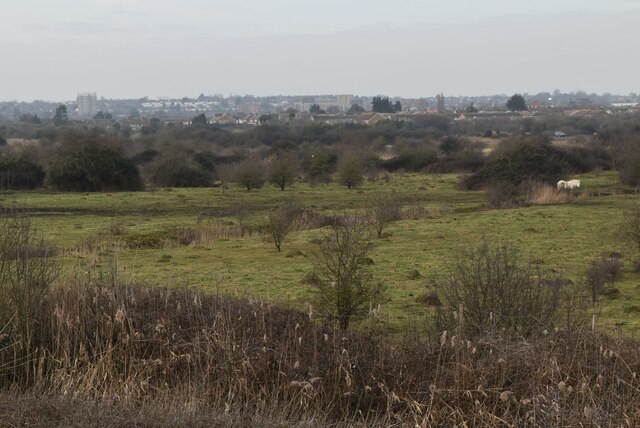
{"points": [[562, 184], [572, 184]]}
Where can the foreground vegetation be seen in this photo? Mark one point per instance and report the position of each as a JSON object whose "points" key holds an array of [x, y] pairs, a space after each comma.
{"points": [[147, 355]]}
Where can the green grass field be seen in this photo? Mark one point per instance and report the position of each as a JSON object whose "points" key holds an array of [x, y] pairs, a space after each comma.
{"points": [[95, 232]]}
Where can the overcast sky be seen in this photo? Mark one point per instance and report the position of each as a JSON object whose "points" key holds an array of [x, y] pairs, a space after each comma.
{"points": [[52, 50]]}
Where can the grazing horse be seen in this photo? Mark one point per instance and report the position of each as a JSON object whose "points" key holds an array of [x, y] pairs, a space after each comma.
{"points": [[572, 184]]}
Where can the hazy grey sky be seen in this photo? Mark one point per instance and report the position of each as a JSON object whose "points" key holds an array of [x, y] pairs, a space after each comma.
{"points": [[131, 48]]}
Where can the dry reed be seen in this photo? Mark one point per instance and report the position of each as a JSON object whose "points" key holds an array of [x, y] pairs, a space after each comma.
{"points": [[157, 354], [538, 193]]}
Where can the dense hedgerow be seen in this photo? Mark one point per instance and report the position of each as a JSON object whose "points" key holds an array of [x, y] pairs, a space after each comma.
{"points": [[92, 162]]}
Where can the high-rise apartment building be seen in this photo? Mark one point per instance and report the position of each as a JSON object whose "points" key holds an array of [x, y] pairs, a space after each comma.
{"points": [[87, 104], [345, 101]]}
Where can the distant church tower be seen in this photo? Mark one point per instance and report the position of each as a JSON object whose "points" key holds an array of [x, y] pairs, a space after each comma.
{"points": [[87, 104]]}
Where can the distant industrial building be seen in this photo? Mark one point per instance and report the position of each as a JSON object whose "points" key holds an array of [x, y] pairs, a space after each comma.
{"points": [[87, 104]]}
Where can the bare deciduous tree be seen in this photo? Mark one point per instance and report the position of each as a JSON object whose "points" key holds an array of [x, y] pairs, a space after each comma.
{"points": [[279, 222], [249, 174], [602, 272], [345, 287], [282, 171], [384, 209]]}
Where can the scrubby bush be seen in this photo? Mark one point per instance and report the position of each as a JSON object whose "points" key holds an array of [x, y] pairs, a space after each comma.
{"points": [[19, 169], [92, 162], [146, 240], [344, 286], [630, 164], [411, 155], [587, 158], [249, 173], [384, 209], [350, 171], [503, 194], [489, 288], [320, 164], [280, 220], [178, 169], [459, 155], [602, 273], [282, 171], [518, 160]]}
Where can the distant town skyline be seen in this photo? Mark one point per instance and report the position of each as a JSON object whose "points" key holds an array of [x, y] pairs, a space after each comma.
{"points": [[408, 48]]}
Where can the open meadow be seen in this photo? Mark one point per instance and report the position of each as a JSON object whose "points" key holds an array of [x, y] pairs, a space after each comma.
{"points": [[215, 239]]}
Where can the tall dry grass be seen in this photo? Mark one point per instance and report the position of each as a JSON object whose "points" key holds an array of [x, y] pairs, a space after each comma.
{"points": [[538, 193], [155, 355]]}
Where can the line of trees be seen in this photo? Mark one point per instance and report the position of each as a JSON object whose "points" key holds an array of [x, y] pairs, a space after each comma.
{"points": [[206, 155]]}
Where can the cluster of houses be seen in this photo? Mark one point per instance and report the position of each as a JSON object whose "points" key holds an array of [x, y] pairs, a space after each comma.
{"points": [[364, 118], [487, 114], [367, 118], [371, 118]]}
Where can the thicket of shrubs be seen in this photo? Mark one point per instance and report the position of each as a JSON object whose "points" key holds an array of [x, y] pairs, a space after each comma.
{"points": [[20, 170], [204, 155], [91, 162]]}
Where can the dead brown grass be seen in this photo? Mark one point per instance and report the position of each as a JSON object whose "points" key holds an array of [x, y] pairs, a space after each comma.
{"points": [[545, 194], [124, 355]]}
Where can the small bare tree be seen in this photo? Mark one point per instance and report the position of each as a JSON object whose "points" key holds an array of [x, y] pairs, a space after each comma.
{"points": [[279, 223], [345, 287], [384, 209], [249, 173], [225, 175], [602, 272], [282, 171]]}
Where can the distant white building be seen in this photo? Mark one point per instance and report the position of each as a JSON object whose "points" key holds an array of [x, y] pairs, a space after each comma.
{"points": [[87, 104]]}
